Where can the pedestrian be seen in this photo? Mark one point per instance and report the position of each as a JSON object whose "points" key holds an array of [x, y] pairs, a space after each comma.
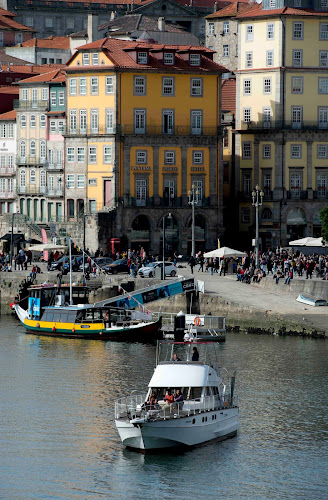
{"points": [[201, 263], [192, 263]]}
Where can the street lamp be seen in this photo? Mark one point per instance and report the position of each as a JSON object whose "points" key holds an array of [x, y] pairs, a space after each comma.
{"points": [[257, 197], [12, 237], [193, 200], [168, 217]]}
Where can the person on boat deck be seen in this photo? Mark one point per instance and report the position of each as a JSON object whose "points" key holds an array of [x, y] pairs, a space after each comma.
{"points": [[152, 402], [175, 357], [168, 399], [178, 399], [195, 354]]}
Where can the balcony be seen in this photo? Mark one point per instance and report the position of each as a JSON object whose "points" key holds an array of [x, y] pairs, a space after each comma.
{"points": [[7, 195], [268, 195], [30, 105], [287, 125], [150, 130], [7, 171], [32, 190], [55, 193], [297, 194], [55, 166], [31, 160], [320, 194]]}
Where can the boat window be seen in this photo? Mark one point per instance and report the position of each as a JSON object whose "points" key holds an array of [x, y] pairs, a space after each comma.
{"points": [[88, 315], [215, 390], [57, 316], [97, 314], [208, 391], [63, 317], [71, 317], [79, 317], [194, 392], [48, 316]]}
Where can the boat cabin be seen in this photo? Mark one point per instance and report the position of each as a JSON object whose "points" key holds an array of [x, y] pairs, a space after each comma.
{"points": [[86, 314], [41, 296]]}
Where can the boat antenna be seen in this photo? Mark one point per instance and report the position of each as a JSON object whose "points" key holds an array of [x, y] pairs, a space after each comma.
{"points": [[233, 379], [70, 272]]}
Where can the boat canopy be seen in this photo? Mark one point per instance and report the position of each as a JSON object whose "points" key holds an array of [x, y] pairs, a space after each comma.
{"points": [[184, 374]]}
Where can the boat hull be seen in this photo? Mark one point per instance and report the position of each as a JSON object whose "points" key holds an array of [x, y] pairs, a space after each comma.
{"points": [[186, 431]]}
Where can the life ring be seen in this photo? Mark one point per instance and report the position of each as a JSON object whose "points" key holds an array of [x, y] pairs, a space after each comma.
{"points": [[197, 321], [53, 328]]}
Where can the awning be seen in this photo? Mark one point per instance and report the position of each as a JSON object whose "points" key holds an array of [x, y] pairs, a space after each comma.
{"points": [[17, 237]]}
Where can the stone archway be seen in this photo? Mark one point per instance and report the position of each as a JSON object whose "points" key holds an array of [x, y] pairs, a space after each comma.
{"points": [[200, 233], [296, 223], [140, 232]]}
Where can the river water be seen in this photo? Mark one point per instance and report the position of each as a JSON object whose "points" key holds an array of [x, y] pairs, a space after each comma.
{"points": [[58, 438]]}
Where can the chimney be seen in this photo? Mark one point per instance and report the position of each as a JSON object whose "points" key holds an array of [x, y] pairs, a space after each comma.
{"points": [[92, 28], [215, 6], [190, 3], [113, 15], [161, 23], [4, 4]]}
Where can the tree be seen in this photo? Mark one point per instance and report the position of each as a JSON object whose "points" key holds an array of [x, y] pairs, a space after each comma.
{"points": [[324, 222]]}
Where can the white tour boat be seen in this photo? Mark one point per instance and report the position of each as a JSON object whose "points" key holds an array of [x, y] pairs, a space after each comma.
{"points": [[206, 412]]}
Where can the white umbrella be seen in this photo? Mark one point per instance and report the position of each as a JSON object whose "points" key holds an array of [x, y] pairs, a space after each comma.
{"points": [[315, 242], [43, 247], [301, 241], [225, 252]]}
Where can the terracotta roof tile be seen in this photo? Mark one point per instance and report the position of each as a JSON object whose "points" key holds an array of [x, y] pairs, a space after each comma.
{"points": [[257, 11], [9, 115], [6, 59], [4, 12], [54, 76], [9, 89], [140, 22], [228, 95], [232, 10], [7, 23], [52, 42]]}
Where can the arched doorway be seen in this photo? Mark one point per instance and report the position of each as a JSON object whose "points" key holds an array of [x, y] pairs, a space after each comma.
{"points": [[140, 233], [317, 225], [171, 235], [200, 234], [296, 224]]}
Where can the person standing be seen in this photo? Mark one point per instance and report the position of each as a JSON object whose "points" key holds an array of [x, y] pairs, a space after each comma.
{"points": [[192, 263]]}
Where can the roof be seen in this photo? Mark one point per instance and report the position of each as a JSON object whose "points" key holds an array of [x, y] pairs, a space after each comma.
{"points": [[140, 22], [54, 76], [8, 23], [4, 12], [228, 95], [232, 10], [9, 89], [257, 11], [9, 115], [51, 42], [5, 58], [118, 53]]}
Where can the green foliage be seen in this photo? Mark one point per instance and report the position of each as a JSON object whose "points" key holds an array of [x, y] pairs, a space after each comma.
{"points": [[324, 222]]}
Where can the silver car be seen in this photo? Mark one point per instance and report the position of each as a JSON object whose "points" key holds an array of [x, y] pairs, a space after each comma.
{"points": [[149, 270]]}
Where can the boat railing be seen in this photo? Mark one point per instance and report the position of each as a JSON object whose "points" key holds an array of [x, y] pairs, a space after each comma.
{"points": [[134, 407]]}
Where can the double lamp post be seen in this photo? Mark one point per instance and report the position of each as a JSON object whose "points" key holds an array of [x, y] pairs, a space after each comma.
{"points": [[193, 199], [257, 197]]}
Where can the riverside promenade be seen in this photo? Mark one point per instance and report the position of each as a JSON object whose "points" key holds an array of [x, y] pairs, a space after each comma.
{"points": [[265, 300]]}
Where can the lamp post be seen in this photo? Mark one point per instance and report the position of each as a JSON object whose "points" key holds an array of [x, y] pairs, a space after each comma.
{"points": [[193, 195], [12, 238], [257, 197], [169, 217], [83, 259]]}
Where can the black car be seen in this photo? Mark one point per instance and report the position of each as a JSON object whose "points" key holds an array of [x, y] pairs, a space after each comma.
{"points": [[118, 266]]}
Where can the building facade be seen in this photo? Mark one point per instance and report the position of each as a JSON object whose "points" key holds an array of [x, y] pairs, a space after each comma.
{"points": [[144, 120], [7, 163]]}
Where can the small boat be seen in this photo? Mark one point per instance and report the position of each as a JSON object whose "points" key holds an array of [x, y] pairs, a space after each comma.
{"points": [[207, 410], [310, 300], [194, 327], [89, 321]]}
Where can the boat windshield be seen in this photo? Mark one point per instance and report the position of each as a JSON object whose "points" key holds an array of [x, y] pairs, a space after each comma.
{"points": [[203, 352]]}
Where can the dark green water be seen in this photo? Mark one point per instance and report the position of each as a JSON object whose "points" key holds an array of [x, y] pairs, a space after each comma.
{"points": [[58, 438]]}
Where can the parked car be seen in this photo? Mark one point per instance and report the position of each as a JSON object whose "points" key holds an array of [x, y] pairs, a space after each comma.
{"points": [[118, 266], [64, 263], [149, 270], [100, 261]]}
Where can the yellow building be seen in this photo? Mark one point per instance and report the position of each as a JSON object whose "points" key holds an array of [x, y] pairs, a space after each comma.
{"points": [[282, 119], [146, 118]]}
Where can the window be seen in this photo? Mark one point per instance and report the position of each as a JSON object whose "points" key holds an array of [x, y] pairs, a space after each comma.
{"points": [[267, 182], [139, 121], [44, 94], [322, 184], [52, 125], [70, 181], [296, 116], [169, 192], [194, 59], [141, 157], [225, 138], [32, 121], [297, 57], [267, 85], [266, 151], [269, 58], [32, 177], [198, 157], [169, 157], [249, 32], [34, 98], [72, 86], [59, 158], [323, 85], [226, 27], [266, 214], [168, 58], [323, 58], [211, 28], [247, 182], [70, 23], [272, 4], [22, 178], [323, 117], [107, 154], [94, 121], [23, 121], [43, 150], [6, 130], [48, 22], [29, 21], [297, 84], [322, 151], [297, 31], [323, 31], [168, 121], [245, 215], [95, 59], [22, 149], [43, 121], [196, 87], [61, 125], [296, 151], [270, 31], [109, 121], [92, 154], [83, 121], [51, 156], [2, 161], [92, 182], [51, 183], [247, 115], [61, 98], [225, 50], [266, 117], [53, 98], [80, 155], [32, 148], [80, 181], [24, 95], [72, 121], [249, 59], [247, 150], [139, 85], [109, 88], [85, 59], [142, 58], [83, 86], [324, 4], [70, 207], [10, 162], [295, 185], [141, 192], [297, 3], [247, 87], [196, 122], [167, 86], [70, 155], [94, 85]]}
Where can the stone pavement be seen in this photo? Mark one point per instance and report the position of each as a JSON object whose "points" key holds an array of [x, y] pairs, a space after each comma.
{"points": [[273, 301]]}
